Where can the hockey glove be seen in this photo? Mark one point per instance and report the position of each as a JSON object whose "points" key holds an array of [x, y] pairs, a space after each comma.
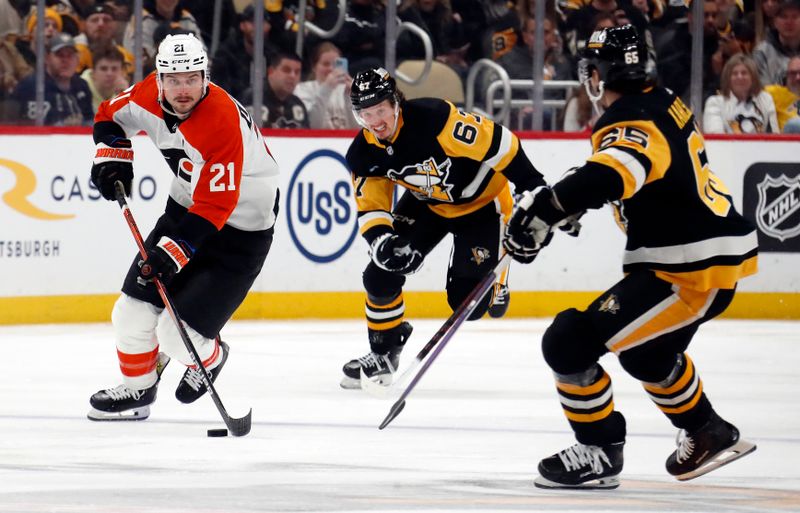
{"points": [[113, 162], [163, 261], [394, 253], [530, 227], [571, 225]]}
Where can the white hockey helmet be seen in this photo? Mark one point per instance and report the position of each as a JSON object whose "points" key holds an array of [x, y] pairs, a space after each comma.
{"points": [[181, 53]]}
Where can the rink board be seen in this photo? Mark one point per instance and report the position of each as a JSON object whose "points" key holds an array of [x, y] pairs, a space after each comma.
{"points": [[64, 250]]}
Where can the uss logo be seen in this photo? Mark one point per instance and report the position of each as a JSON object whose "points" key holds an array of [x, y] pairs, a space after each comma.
{"points": [[427, 180]]}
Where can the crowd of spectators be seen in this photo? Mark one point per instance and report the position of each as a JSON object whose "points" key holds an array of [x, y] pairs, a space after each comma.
{"points": [[751, 54]]}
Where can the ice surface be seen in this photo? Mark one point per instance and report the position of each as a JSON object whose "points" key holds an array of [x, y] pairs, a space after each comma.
{"points": [[469, 438]]}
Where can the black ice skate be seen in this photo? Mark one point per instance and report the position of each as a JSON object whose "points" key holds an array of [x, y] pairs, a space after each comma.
{"points": [[379, 366], [501, 297], [715, 444], [582, 466], [191, 387], [123, 403]]}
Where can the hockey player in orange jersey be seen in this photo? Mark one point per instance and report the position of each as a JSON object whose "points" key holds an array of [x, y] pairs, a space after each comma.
{"points": [[211, 242], [687, 248]]}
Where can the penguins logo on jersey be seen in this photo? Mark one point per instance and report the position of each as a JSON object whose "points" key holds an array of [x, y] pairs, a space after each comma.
{"points": [[480, 255], [427, 180], [610, 304]]}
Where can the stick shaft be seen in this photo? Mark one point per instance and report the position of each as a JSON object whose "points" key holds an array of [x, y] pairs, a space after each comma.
{"points": [[237, 427]]}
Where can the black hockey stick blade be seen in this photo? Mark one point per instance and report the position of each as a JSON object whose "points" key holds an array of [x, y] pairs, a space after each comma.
{"points": [[241, 426], [394, 412], [236, 426]]}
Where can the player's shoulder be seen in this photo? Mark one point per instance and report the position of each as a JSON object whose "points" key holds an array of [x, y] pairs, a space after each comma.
{"points": [[358, 151], [217, 113], [427, 112], [650, 105], [144, 94]]}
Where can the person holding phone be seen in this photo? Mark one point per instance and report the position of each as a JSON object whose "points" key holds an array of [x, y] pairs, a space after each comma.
{"points": [[327, 95]]}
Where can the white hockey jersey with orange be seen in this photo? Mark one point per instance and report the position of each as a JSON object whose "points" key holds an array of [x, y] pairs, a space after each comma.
{"points": [[223, 169]]}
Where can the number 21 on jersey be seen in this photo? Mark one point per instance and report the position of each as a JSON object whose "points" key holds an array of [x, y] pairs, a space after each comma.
{"points": [[223, 177]]}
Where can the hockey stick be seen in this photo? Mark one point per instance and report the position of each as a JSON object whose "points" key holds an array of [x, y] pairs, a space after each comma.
{"points": [[237, 427], [439, 340]]}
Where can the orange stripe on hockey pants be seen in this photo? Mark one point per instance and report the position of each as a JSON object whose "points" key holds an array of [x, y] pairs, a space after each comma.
{"points": [[134, 365]]}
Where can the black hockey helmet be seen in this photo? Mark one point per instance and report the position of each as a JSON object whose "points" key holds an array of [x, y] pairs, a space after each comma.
{"points": [[619, 55], [372, 86]]}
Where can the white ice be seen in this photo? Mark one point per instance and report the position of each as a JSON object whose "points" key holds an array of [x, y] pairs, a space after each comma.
{"points": [[469, 438]]}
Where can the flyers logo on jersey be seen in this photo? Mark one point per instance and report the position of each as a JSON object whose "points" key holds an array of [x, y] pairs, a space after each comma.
{"points": [[427, 180]]}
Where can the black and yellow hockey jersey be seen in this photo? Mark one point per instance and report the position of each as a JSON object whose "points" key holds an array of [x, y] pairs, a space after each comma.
{"points": [[454, 161], [649, 159]]}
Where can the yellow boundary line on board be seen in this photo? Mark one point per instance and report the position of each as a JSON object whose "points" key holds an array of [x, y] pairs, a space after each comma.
{"points": [[350, 305]]}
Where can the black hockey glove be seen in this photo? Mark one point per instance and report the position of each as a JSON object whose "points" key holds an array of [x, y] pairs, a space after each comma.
{"points": [[530, 227], [393, 253], [572, 224], [112, 162], [163, 261]]}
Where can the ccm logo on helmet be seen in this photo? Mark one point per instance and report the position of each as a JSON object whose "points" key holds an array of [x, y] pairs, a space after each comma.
{"points": [[320, 209]]}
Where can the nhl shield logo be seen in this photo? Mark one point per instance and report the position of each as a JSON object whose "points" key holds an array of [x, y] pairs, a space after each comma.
{"points": [[778, 209]]}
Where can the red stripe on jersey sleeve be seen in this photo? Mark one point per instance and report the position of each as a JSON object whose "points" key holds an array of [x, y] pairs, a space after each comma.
{"points": [[143, 94], [214, 130]]}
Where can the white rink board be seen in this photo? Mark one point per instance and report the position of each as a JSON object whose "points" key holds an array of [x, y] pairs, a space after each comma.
{"points": [[315, 249]]}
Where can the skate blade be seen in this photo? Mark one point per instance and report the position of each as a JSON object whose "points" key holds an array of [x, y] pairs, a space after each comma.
{"points": [[604, 483], [733, 453], [115, 416], [349, 383], [377, 387]]}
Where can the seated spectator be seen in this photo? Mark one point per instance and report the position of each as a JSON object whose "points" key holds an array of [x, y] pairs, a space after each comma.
{"points": [[674, 52], [787, 98], [765, 18], [155, 13], [742, 106], [203, 12], [281, 109], [67, 99], [13, 66], [436, 18], [773, 53], [232, 67], [469, 14], [53, 23], [98, 32], [580, 22], [363, 34], [71, 13], [519, 61], [106, 78], [502, 29], [327, 95], [580, 114], [10, 18], [122, 12]]}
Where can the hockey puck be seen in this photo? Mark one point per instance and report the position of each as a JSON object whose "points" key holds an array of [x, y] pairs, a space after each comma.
{"points": [[217, 432]]}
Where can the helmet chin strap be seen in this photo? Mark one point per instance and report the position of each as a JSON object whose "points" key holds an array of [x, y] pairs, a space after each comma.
{"points": [[595, 98]]}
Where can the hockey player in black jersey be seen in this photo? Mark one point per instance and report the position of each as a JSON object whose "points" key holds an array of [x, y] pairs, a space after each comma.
{"points": [[686, 249], [455, 167]]}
